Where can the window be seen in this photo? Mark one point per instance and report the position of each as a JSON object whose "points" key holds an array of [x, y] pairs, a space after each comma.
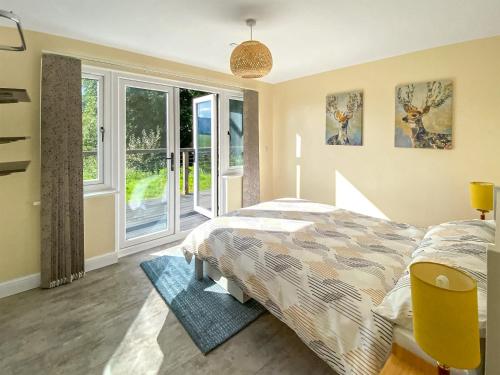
{"points": [[231, 127], [92, 129], [96, 138], [235, 133]]}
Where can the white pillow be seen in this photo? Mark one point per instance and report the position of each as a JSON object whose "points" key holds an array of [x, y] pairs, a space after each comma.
{"points": [[459, 244], [463, 230]]}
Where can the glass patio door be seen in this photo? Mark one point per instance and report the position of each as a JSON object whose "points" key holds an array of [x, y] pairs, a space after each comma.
{"points": [[205, 154], [148, 165]]}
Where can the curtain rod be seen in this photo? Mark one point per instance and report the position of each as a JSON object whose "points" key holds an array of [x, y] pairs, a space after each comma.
{"points": [[143, 68]]}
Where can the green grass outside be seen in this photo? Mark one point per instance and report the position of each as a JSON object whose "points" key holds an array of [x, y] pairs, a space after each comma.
{"points": [[153, 184], [204, 140]]}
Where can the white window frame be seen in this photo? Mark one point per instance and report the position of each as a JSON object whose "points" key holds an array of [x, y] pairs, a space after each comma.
{"points": [[113, 149], [128, 80], [105, 180], [225, 144]]}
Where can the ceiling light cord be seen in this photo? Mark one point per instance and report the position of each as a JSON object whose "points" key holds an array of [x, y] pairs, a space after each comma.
{"points": [[251, 23]]}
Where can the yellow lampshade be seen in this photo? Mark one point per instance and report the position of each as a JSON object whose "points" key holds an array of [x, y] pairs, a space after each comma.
{"points": [[445, 317], [481, 196]]}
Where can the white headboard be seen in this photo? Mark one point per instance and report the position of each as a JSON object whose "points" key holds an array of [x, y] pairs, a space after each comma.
{"points": [[496, 206], [492, 359]]}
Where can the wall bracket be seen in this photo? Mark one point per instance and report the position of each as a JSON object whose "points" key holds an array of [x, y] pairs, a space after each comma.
{"points": [[14, 18]]}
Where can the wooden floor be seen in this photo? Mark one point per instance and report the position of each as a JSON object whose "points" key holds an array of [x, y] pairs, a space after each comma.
{"points": [[114, 322]]}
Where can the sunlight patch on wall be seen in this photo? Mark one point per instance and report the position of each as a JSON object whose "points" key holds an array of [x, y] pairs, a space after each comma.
{"points": [[298, 146], [297, 182], [347, 196], [298, 154]]}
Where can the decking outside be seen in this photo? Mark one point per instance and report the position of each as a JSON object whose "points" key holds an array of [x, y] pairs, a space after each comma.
{"points": [[149, 215], [152, 215]]}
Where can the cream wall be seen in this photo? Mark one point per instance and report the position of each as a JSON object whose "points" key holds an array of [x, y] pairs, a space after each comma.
{"points": [[233, 193], [99, 224], [410, 185], [19, 219], [416, 186]]}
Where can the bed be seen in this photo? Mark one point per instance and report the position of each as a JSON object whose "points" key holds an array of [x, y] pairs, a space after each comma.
{"points": [[321, 270]]}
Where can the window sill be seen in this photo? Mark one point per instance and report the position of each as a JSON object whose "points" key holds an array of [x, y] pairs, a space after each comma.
{"points": [[98, 193], [233, 172], [231, 176]]}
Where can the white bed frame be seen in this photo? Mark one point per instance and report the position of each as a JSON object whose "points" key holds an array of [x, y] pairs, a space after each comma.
{"points": [[200, 267], [492, 357]]}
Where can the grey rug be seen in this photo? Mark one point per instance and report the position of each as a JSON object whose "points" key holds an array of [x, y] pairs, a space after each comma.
{"points": [[208, 313]]}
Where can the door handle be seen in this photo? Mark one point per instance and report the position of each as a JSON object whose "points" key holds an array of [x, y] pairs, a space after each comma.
{"points": [[172, 161]]}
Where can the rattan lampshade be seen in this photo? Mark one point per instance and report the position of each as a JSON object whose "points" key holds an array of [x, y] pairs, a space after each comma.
{"points": [[251, 59]]}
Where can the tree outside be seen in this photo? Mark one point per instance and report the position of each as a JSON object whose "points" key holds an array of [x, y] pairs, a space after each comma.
{"points": [[146, 139], [89, 131]]}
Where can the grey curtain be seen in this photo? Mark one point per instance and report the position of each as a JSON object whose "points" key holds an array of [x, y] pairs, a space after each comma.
{"points": [[251, 171], [62, 258]]}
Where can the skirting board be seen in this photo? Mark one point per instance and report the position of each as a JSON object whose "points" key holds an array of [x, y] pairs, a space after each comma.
{"points": [[22, 284], [101, 261]]}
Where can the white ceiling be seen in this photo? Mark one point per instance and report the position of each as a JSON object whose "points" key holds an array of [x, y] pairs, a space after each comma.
{"points": [[305, 36]]}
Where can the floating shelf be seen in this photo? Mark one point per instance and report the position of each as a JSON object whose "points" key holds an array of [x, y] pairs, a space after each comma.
{"points": [[8, 96], [7, 168], [4, 140]]}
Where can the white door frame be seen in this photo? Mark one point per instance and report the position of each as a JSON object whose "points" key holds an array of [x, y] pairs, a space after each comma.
{"points": [[123, 83], [212, 98], [224, 142]]}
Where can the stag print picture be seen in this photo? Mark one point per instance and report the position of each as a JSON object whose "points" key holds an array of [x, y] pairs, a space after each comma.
{"points": [[424, 115], [344, 119]]}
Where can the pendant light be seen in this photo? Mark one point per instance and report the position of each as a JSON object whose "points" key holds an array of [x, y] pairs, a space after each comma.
{"points": [[251, 59]]}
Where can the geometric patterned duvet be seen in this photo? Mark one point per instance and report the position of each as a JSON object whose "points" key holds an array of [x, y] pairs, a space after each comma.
{"points": [[317, 268]]}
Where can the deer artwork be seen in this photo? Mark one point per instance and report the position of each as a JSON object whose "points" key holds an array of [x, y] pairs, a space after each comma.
{"points": [[354, 103], [437, 94]]}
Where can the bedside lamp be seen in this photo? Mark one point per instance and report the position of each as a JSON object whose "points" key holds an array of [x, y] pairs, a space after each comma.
{"points": [[481, 197], [445, 317]]}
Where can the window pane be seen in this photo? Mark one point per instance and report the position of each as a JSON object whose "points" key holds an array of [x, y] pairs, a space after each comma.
{"points": [[147, 188], [235, 133], [90, 130], [204, 150]]}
